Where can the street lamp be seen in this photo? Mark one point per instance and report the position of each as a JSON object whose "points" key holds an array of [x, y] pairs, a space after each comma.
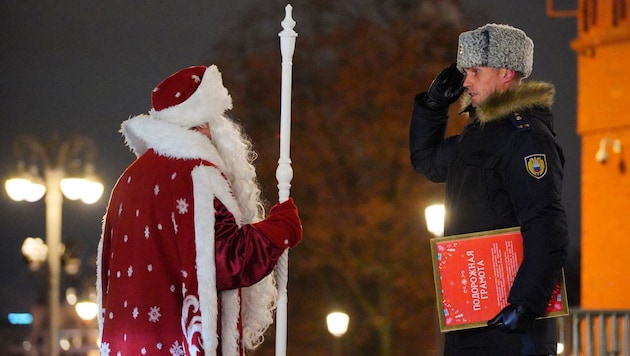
{"points": [[42, 169], [87, 310], [434, 215], [35, 252], [337, 323]]}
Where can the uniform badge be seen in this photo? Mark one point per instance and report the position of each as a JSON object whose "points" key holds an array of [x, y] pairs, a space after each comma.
{"points": [[536, 165]]}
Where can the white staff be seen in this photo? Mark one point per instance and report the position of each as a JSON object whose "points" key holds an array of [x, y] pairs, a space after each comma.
{"points": [[284, 173]]}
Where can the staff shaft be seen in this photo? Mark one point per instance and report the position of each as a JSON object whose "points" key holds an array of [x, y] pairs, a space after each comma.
{"points": [[284, 173]]}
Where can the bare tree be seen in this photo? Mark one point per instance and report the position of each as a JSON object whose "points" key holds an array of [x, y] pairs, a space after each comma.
{"points": [[357, 66]]}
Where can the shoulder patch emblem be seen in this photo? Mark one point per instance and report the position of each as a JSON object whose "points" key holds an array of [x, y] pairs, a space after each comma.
{"points": [[536, 165]]}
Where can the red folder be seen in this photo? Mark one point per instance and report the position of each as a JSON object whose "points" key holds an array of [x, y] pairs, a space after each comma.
{"points": [[473, 274]]}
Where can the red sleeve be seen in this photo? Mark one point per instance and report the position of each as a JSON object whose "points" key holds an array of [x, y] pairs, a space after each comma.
{"points": [[242, 256]]}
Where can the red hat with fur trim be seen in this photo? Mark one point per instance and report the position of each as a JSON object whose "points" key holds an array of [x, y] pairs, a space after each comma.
{"points": [[191, 97]]}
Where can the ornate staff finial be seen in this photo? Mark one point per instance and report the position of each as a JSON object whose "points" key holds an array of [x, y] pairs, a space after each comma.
{"points": [[284, 173], [288, 23]]}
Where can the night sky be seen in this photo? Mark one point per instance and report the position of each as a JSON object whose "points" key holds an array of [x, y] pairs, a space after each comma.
{"points": [[82, 67]]}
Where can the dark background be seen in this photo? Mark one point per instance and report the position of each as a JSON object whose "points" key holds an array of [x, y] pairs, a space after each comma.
{"points": [[82, 67]]}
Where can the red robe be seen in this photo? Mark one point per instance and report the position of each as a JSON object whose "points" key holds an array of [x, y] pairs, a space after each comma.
{"points": [[172, 242]]}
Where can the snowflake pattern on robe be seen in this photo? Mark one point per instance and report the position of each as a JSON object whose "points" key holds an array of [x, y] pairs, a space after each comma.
{"points": [[154, 314], [143, 261], [150, 285], [182, 206], [177, 349], [105, 349], [174, 222]]}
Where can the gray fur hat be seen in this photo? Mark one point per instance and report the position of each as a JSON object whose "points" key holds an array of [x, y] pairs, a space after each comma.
{"points": [[498, 46]]}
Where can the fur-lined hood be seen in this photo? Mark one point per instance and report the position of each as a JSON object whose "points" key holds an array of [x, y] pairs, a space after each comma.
{"points": [[525, 96]]}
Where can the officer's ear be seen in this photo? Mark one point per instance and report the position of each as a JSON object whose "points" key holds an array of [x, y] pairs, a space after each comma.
{"points": [[508, 74]]}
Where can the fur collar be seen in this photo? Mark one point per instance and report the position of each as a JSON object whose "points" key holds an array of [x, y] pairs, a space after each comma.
{"points": [[143, 132], [528, 95]]}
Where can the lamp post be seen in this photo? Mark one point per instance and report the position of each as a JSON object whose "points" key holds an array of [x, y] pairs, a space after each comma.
{"points": [[337, 323], [50, 166]]}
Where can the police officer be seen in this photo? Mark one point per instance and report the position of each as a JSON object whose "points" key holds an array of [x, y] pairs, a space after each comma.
{"points": [[504, 169]]}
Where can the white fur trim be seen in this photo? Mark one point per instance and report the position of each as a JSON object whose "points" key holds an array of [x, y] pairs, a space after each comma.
{"points": [[211, 99], [142, 132], [209, 183], [206, 269], [99, 282], [230, 314]]}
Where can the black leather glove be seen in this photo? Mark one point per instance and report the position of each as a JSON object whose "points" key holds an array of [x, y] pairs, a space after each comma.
{"points": [[513, 319], [445, 89]]}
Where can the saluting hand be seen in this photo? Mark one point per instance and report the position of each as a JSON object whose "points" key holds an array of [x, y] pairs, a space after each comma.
{"points": [[445, 89]]}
